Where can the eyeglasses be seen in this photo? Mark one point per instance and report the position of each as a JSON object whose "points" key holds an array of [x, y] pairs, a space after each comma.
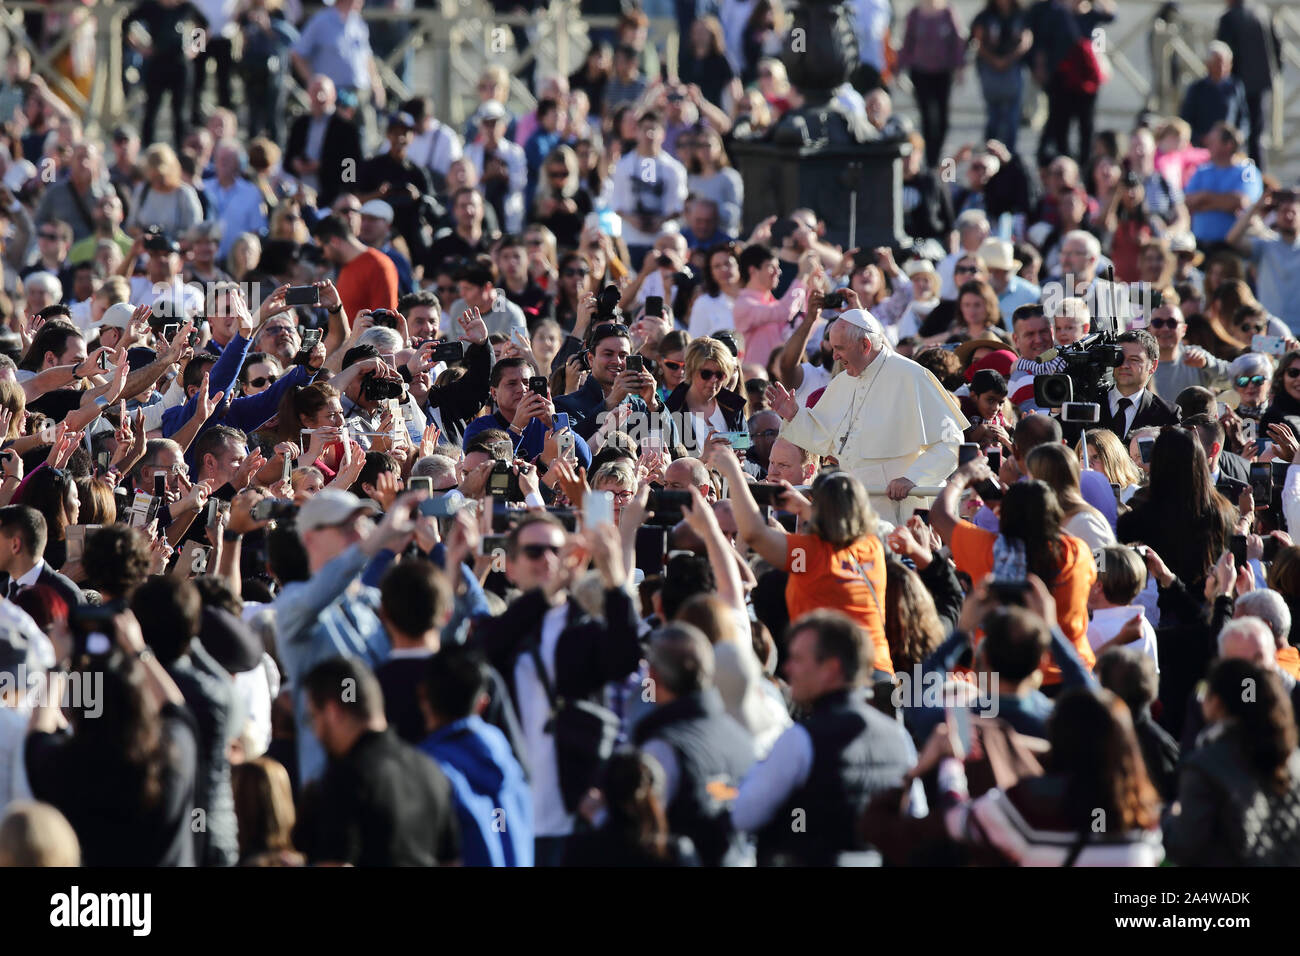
{"points": [[558, 173], [966, 269], [1259, 329], [1244, 380], [535, 552], [575, 273], [622, 497], [671, 365], [262, 381], [709, 375], [1164, 323]]}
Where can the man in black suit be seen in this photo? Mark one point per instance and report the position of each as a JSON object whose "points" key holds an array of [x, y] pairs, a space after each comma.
{"points": [[1130, 404], [1223, 464], [1256, 59], [324, 149], [579, 654], [23, 533]]}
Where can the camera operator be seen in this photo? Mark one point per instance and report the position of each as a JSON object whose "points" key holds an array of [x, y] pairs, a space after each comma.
{"points": [[1130, 403]]}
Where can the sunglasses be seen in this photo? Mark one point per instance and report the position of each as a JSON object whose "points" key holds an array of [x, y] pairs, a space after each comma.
{"points": [[576, 273], [1164, 323], [671, 365], [446, 290], [558, 174], [1243, 380], [52, 236], [709, 375], [966, 269], [535, 552], [1293, 372], [262, 381], [1255, 329]]}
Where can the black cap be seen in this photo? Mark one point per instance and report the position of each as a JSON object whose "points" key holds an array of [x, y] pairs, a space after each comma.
{"points": [[401, 119], [124, 132], [161, 242]]}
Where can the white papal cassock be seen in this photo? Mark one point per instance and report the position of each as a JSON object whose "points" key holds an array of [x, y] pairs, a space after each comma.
{"points": [[894, 420]]}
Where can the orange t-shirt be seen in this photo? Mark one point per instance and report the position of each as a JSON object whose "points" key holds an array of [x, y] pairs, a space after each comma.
{"points": [[1288, 658], [368, 282], [822, 577], [972, 551]]}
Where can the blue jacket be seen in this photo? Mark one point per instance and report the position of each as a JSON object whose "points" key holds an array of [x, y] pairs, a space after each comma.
{"points": [[529, 445], [222, 378], [493, 801]]}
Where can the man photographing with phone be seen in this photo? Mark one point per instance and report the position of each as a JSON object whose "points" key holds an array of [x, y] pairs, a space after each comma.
{"points": [[523, 411], [1274, 252]]}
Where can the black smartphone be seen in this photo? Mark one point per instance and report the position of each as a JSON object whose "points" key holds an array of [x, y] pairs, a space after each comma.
{"points": [[994, 455], [923, 514], [1261, 483], [651, 545], [654, 305], [635, 363], [102, 361], [1238, 545], [767, 496], [212, 512], [1271, 545], [1009, 592], [1230, 488], [159, 486], [310, 339], [539, 385], [990, 489], [154, 504], [448, 352], [499, 482], [302, 295], [1145, 447], [968, 451], [418, 483], [102, 460]]}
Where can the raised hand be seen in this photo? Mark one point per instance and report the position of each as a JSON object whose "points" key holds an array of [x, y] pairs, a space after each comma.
{"points": [[782, 401], [472, 324]]}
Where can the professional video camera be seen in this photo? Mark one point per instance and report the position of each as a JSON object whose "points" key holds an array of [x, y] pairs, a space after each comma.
{"points": [[1087, 376]]}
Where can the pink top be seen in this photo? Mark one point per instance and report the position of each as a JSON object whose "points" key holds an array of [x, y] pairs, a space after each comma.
{"points": [[1178, 166], [765, 321]]}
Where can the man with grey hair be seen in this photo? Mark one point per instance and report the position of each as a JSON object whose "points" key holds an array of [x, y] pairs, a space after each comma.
{"points": [[440, 469], [1269, 607], [888, 421], [236, 203], [1216, 97], [1080, 259], [705, 752], [387, 341], [43, 290], [972, 229]]}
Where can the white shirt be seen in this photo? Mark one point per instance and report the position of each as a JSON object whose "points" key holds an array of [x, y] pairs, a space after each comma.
{"points": [[549, 816], [1108, 621], [29, 579], [654, 184], [436, 148], [1130, 413], [517, 167], [711, 313], [814, 377]]}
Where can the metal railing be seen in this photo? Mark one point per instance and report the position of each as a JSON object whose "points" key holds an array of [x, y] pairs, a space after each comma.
{"points": [[449, 45]]}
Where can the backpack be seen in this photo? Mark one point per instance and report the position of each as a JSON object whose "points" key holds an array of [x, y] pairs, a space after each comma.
{"points": [[1082, 70]]}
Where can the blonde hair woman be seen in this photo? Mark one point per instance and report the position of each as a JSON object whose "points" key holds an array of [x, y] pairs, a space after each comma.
{"points": [[163, 199], [1106, 454], [1059, 469], [702, 399]]}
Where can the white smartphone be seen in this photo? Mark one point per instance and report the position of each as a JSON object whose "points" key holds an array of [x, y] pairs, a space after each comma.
{"points": [[597, 509], [1268, 344]]}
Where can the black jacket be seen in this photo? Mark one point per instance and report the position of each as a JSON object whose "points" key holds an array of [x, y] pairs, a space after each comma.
{"points": [[731, 403], [1152, 411], [1233, 466], [342, 142], [932, 216], [1256, 50], [713, 755], [459, 401], [60, 583], [591, 652], [857, 753]]}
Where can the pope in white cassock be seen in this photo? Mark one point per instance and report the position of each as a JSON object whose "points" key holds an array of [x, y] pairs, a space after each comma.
{"points": [[886, 419]]}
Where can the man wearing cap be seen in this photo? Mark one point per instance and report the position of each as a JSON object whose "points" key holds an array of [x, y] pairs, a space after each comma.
{"points": [[323, 145], [333, 614], [886, 420], [502, 165], [376, 232], [402, 184], [113, 326], [236, 203], [1011, 290], [1275, 252], [1187, 259], [73, 200], [972, 229]]}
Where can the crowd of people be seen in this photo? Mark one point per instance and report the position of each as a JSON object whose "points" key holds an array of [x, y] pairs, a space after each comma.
{"points": [[379, 492]]}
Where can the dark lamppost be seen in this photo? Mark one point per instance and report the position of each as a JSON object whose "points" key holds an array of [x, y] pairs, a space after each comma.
{"points": [[823, 155]]}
